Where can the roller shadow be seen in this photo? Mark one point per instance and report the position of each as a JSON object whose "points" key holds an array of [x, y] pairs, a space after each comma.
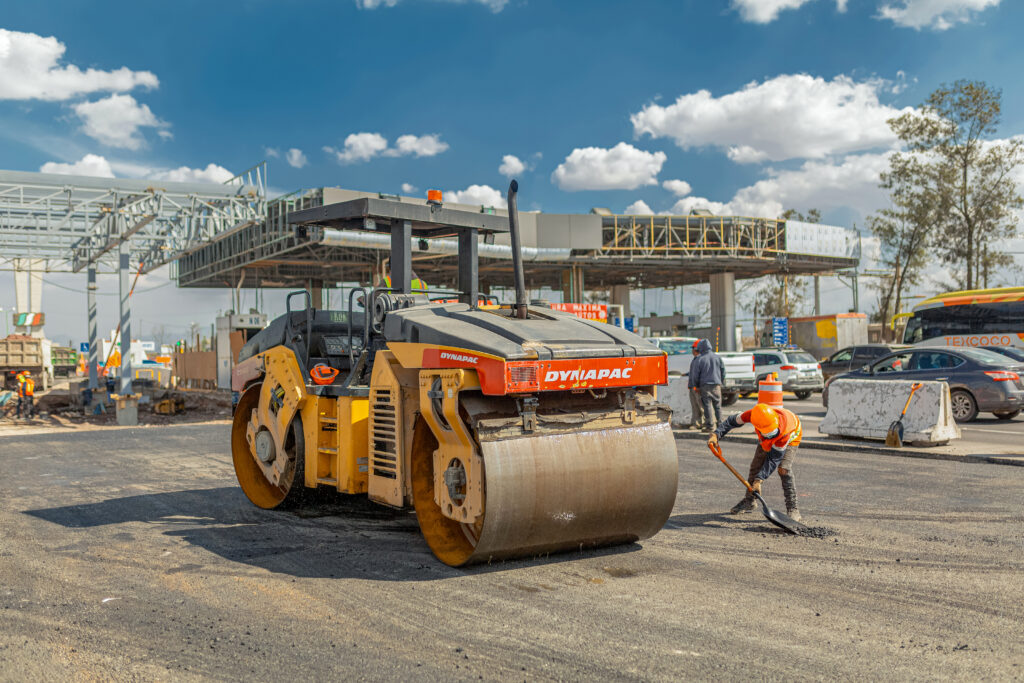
{"points": [[334, 536], [722, 520]]}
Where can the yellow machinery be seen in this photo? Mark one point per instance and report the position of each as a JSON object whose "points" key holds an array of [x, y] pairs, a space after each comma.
{"points": [[512, 431]]}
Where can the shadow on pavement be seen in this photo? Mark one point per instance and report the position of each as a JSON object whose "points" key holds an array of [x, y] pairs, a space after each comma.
{"points": [[333, 537], [719, 520]]}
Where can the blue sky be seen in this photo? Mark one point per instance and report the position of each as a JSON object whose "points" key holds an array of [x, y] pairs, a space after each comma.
{"points": [[755, 105]]}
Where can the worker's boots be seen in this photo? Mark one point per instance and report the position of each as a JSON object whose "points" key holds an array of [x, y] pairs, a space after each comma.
{"points": [[789, 490], [747, 504]]}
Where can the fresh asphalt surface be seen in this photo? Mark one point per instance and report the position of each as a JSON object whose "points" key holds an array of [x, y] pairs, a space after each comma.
{"points": [[986, 430], [132, 554]]}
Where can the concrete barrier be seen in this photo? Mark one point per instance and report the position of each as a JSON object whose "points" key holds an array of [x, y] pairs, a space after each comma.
{"points": [[677, 398], [866, 408]]}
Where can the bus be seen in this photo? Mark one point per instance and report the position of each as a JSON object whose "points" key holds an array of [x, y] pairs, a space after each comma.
{"points": [[979, 317]]}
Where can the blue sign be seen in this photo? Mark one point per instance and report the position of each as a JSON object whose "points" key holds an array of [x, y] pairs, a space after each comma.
{"points": [[629, 323], [780, 331], [83, 347]]}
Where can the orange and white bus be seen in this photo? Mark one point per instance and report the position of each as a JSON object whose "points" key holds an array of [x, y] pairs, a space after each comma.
{"points": [[979, 317]]}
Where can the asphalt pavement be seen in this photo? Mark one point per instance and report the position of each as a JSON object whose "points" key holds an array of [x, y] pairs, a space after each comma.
{"points": [[132, 554]]}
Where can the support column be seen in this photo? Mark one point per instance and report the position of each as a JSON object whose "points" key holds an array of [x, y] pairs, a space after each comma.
{"points": [[94, 351], [469, 275], [316, 294], [723, 310], [817, 295], [124, 281], [572, 285], [620, 297], [856, 294]]}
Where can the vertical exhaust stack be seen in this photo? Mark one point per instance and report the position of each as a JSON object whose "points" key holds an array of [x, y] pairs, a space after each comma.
{"points": [[521, 305]]}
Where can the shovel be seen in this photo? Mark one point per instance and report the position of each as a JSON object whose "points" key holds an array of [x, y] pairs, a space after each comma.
{"points": [[894, 437], [784, 522]]}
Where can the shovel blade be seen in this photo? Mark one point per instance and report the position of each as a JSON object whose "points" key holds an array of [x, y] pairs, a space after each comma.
{"points": [[894, 437], [784, 522]]}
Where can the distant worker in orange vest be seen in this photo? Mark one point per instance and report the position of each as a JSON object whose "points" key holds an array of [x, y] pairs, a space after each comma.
{"points": [[26, 394], [778, 434]]}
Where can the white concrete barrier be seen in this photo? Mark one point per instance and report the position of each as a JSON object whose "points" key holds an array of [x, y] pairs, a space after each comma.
{"points": [[866, 408], [677, 398]]}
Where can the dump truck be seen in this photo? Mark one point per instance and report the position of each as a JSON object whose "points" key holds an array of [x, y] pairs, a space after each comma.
{"points": [[511, 430], [64, 361], [21, 352]]}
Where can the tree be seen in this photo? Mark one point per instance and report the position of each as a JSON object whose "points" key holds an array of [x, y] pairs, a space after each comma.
{"points": [[953, 162]]}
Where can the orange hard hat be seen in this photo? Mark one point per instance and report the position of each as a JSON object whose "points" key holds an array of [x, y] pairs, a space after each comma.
{"points": [[764, 419], [323, 373]]}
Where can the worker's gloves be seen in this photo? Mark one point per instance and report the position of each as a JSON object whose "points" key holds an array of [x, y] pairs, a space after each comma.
{"points": [[712, 440], [756, 485]]}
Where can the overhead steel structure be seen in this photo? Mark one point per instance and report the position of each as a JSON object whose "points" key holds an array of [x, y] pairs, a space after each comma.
{"points": [[66, 223]]}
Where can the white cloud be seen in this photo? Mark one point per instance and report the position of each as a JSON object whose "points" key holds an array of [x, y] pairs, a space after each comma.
{"points": [[295, 158], [511, 165], [420, 146], [408, 188], [935, 14], [679, 188], [366, 146], [99, 166], [183, 174], [484, 195], [639, 208], [29, 69], [493, 5], [786, 117], [90, 164], [687, 204], [116, 121], [272, 152], [766, 11], [623, 167]]}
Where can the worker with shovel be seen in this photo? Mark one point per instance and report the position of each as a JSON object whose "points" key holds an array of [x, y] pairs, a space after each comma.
{"points": [[778, 434]]}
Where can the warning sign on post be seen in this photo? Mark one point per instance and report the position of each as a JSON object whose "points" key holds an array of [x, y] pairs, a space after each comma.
{"points": [[596, 312]]}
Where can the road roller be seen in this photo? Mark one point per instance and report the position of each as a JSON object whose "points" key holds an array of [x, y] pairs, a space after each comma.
{"points": [[512, 430]]}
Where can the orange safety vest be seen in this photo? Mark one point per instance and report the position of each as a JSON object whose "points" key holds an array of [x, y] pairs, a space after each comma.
{"points": [[788, 424], [27, 387]]}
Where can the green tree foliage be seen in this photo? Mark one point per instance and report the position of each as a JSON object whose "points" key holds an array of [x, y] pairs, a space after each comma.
{"points": [[954, 180]]}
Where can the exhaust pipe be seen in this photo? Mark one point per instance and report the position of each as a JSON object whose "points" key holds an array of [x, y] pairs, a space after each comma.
{"points": [[521, 304]]}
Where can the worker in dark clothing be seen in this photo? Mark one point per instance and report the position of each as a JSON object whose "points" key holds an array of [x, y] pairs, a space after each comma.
{"points": [[696, 407], [26, 395], [778, 434], [707, 372]]}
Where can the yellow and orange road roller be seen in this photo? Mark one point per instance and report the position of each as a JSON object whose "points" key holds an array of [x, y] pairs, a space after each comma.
{"points": [[512, 430]]}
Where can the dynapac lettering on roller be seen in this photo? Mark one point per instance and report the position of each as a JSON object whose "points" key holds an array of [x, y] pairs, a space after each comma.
{"points": [[458, 357], [581, 376]]}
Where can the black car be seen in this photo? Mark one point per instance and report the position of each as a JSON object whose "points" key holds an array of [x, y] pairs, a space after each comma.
{"points": [[854, 357], [1008, 351], [979, 381]]}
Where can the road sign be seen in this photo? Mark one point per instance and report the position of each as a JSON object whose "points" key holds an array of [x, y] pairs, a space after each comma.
{"points": [[780, 331], [83, 347]]}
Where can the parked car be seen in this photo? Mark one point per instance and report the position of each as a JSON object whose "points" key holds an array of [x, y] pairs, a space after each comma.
{"points": [[1008, 351], [854, 357], [679, 351], [739, 365], [979, 381], [798, 371]]}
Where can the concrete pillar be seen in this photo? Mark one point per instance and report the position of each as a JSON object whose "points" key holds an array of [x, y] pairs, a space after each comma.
{"points": [[723, 310], [572, 285], [620, 296], [94, 351], [817, 295], [127, 411]]}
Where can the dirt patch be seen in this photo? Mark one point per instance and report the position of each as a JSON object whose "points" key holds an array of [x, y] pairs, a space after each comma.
{"points": [[819, 532]]}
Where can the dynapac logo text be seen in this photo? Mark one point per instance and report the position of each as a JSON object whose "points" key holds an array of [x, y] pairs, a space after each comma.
{"points": [[458, 357], [586, 375]]}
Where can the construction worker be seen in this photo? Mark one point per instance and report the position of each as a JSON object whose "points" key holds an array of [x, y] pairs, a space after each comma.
{"points": [[707, 374], [696, 407], [26, 394], [778, 433]]}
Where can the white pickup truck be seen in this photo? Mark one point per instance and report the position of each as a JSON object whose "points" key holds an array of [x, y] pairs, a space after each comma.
{"points": [[739, 366]]}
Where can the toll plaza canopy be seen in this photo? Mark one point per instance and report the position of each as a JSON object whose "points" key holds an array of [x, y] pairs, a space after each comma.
{"points": [[604, 249]]}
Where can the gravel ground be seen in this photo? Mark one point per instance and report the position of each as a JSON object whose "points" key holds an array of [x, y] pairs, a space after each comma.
{"points": [[131, 554]]}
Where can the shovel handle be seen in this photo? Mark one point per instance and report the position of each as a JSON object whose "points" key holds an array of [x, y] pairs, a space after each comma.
{"points": [[717, 450], [913, 388]]}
